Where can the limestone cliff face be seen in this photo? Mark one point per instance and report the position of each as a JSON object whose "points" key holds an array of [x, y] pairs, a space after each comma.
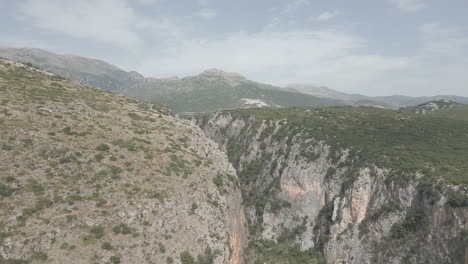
{"points": [[302, 190]]}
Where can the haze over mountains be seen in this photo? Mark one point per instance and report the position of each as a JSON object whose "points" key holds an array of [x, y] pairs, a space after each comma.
{"points": [[211, 90], [393, 101]]}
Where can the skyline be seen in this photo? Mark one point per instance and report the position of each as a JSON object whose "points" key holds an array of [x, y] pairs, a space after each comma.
{"points": [[408, 47]]}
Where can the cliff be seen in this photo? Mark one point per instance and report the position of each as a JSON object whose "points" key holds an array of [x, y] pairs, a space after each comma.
{"points": [[358, 185]]}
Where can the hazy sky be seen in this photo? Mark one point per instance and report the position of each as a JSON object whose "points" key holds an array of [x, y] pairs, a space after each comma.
{"points": [[374, 47]]}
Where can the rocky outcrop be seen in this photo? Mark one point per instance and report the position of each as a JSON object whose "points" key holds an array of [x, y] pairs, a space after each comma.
{"points": [[319, 195]]}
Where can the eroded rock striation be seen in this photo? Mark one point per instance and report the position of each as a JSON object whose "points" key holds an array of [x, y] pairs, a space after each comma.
{"points": [[301, 186]]}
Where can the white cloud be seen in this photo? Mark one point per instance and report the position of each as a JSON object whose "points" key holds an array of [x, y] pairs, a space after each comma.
{"points": [[442, 39], [206, 13], [203, 2], [435, 29], [295, 5], [106, 20], [409, 5], [324, 56], [147, 2], [111, 21], [328, 15]]}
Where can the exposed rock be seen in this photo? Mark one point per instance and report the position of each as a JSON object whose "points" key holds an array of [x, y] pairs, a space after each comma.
{"points": [[295, 184]]}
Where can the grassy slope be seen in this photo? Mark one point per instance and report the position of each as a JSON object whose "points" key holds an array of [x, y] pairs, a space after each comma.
{"points": [[210, 97], [436, 145], [75, 161]]}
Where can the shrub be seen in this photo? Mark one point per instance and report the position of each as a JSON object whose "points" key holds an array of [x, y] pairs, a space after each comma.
{"points": [[193, 208], [115, 259], [270, 252], [106, 246], [158, 195], [363, 228], [122, 229], [169, 260], [40, 256], [207, 258], [102, 147], [409, 225], [10, 179], [6, 190], [73, 198], [88, 240], [457, 199], [330, 173], [218, 180], [42, 203], [98, 157], [6, 147], [34, 186], [64, 245], [186, 258], [97, 231], [162, 248]]}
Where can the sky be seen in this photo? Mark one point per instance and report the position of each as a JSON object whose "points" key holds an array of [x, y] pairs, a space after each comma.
{"points": [[372, 47]]}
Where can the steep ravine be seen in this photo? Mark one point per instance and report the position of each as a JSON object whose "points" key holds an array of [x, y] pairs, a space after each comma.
{"points": [[298, 189]]}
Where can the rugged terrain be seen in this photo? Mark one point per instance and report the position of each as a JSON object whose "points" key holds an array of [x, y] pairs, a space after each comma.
{"points": [[360, 185], [87, 176], [211, 90]]}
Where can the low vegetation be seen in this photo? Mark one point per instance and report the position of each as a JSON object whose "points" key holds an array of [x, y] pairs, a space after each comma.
{"points": [[80, 161], [399, 140]]}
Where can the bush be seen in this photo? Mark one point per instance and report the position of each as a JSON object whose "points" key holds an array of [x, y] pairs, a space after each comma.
{"points": [[40, 256], [103, 147], [193, 208], [73, 198], [186, 258], [169, 260], [270, 252], [115, 259], [98, 157], [162, 248], [34, 186], [43, 203], [88, 240], [106, 246], [97, 231], [6, 147], [363, 228], [122, 229], [207, 258], [6, 191], [409, 225], [457, 199], [218, 180]]}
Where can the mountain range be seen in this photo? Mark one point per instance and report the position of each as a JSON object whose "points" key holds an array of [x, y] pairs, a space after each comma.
{"points": [[393, 101], [208, 91], [92, 176]]}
